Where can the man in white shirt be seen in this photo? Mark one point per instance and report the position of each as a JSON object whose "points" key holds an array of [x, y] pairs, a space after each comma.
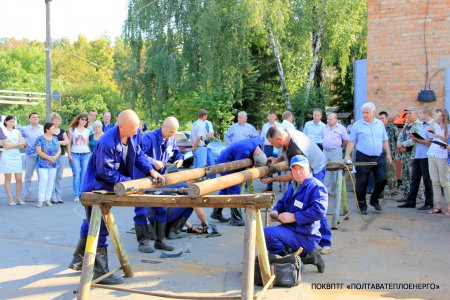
{"points": [[240, 130], [313, 129], [288, 120], [30, 132], [198, 138]]}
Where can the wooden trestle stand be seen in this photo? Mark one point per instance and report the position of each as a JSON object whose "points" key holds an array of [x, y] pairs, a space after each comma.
{"points": [[253, 237]]}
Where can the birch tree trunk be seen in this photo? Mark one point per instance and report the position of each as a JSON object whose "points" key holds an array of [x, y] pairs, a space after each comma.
{"points": [[317, 46], [276, 53]]}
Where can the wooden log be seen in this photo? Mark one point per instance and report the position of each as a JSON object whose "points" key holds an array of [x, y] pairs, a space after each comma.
{"points": [[117, 242], [248, 268], [89, 257], [261, 248], [130, 187], [261, 200], [209, 186]]}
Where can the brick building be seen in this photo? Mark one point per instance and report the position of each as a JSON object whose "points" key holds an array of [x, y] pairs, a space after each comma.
{"points": [[402, 36]]}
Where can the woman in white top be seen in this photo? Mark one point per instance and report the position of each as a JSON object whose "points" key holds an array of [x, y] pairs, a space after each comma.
{"points": [[11, 159], [437, 160], [78, 151]]}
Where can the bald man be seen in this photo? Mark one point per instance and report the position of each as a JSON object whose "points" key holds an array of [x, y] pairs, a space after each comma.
{"points": [[113, 160], [161, 148]]}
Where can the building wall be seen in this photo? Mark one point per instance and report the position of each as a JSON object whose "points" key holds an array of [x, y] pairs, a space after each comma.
{"points": [[396, 64]]}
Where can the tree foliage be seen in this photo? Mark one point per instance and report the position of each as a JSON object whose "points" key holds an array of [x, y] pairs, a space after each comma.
{"points": [[178, 56]]}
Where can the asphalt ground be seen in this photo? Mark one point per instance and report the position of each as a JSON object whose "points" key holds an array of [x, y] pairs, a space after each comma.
{"points": [[394, 254]]}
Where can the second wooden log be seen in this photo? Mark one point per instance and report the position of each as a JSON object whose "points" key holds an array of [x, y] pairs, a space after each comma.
{"points": [[212, 185]]}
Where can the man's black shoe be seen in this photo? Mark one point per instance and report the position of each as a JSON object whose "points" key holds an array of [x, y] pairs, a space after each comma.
{"points": [[426, 207], [376, 206], [364, 211], [219, 217], [402, 200], [407, 205], [237, 222]]}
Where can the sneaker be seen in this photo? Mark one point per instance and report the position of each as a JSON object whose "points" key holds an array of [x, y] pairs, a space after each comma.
{"points": [[48, 203], [60, 201], [76, 199], [54, 202], [326, 250], [39, 204]]}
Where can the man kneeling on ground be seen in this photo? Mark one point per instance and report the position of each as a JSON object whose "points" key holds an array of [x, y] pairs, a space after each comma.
{"points": [[299, 211]]}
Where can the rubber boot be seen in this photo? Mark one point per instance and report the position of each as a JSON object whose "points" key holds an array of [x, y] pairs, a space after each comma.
{"points": [[101, 268], [314, 258], [151, 231], [160, 230], [142, 237], [78, 255], [236, 217], [217, 215], [175, 229]]}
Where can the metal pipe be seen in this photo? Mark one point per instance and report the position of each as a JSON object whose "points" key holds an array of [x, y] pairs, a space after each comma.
{"points": [[21, 97], [208, 186], [129, 187], [20, 92], [48, 65], [162, 295]]}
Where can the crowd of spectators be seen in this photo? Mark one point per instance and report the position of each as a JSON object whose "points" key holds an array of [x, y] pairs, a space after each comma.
{"points": [[47, 148], [423, 161]]}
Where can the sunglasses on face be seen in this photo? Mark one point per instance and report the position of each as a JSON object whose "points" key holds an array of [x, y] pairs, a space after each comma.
{"points": [[83, 119]]}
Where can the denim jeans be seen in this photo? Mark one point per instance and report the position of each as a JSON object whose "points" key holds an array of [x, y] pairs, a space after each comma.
{"points": [[210, 160], [268, 151], [56, 195], [200, 157], [30, 166], [79, 165], [46, 182]]}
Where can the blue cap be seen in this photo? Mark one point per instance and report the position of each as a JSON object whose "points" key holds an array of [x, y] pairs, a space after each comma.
{"points": [[300, 160]]}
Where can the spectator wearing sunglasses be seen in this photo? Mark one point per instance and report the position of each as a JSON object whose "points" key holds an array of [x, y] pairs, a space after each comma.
{"points": [[78, 151]]}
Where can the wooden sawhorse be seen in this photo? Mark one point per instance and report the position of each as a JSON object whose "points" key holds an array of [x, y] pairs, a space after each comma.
{"points": [[253, 236]]}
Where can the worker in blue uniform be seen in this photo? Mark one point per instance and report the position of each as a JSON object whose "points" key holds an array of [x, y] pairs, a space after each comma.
{"points": [[299, 211], [161, 148], [246, 148], [114, 159], [293, 142]]}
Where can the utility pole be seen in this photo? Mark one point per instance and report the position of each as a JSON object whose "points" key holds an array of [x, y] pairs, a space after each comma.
{"points": [[48, 65]]}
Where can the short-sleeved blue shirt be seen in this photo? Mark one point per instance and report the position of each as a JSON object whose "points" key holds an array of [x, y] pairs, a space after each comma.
{"points": [[49, 148], [368, 137]]}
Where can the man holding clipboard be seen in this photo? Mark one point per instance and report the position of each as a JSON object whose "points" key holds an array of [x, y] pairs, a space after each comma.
{"points": [[419, 165]]}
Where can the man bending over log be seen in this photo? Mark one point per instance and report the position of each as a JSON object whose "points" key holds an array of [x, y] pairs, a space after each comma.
{"points": [[247, 148], [113, 160], [161, 148]]}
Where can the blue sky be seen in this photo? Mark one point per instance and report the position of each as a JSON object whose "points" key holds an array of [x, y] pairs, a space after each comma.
{"points": [[69, 18]]}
